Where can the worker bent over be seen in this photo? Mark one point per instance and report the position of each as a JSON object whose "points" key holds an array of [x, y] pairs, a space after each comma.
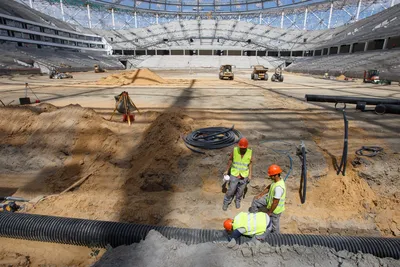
{"points": [[240, 166], [256, 225], [272, 197]]}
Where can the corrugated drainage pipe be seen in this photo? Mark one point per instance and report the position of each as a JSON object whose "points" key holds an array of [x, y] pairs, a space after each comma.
{"points": [[102, 233]]}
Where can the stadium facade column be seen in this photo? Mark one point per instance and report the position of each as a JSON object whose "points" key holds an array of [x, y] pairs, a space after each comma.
{"points": [[385, 44], [112, 18], [156, 18], [305, 19], [62, 10], [283, 14], [366, 46], [351, 48], [338, 50], [330, 16], [89, 17], [30, 3], [260, 19], [313, 53], [329, 51]]}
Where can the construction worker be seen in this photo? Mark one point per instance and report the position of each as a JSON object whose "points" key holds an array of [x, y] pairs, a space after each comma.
{"points": [[249, 224], [272, 197], [240, 167]]}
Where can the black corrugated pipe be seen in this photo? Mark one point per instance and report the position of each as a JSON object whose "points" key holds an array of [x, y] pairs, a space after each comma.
{"points": [[385, 108], [351, 100], [102, 233]]}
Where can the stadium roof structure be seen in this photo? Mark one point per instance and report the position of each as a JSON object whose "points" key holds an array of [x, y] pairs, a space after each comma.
{"points": [[288, 14]]}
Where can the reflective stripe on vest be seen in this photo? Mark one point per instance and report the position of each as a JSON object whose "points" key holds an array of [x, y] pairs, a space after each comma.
{"points": [[240, 166], [281, 205], [254, 223]]}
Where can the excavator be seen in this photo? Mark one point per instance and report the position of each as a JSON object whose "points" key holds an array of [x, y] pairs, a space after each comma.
{"points": [[372, 76]]}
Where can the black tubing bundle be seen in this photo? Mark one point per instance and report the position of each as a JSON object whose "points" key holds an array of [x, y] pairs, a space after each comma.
{"points": [[386, 108], [342, 167], [212, 138], [102, 233], [351, 99]]}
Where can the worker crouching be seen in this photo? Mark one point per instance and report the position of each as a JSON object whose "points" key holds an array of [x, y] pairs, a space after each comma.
{"points": [[272, 197], [256, 225], [240, 167]]}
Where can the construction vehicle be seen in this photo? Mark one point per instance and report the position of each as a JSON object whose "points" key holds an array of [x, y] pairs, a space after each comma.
{"points": [[277, 76], [372, 76], [225, 71], [259, 73], [54, 74], [98, 69]]}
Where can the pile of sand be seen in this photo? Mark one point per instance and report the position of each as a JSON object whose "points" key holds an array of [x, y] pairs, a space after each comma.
{"points": [[139, 76]]}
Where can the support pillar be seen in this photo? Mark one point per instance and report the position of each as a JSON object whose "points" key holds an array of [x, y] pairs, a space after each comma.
{"points": [[260, 18], [112, 18], [358, 9], [385, 44], [329, 51], [303, 53], [62, 10], [145, 51], [30, 3], [313, 53], [305, 19], [184, 52], [338, 50], [283, 14], [351, 48], [279, 53], [227, 52], [291, 53], [366, 46], [239, 18], [330, 16], [88, 14], [156, 18], [135, 20], [392, 3]]}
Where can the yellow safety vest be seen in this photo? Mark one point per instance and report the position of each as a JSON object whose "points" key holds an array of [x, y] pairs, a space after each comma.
{"points": [[254, 223], [241, 165], [281, 205]]}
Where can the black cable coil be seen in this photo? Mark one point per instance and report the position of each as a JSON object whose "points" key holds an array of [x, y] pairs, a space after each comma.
{"points": [[212, 138], [102, 233], [372, 151]]}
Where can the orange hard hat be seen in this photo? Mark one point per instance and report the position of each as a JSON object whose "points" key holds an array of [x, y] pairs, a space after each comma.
{"points": [[228, 224], [243, 143], [274, 170]]}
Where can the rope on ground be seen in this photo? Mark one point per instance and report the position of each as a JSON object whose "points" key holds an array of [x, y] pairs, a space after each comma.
{"points": [[372, 151], [211, 138]]}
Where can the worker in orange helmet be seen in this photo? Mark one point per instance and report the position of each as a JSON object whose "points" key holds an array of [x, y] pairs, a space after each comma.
{"points": [[240, 169], [272, 197], [256, 225]]}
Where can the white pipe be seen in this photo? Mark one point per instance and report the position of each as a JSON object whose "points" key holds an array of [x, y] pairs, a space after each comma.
{"points": [[135, 20], [112, 18], [330, 16], [62, 10], [89, 18], [305, 19], [283, 14]]}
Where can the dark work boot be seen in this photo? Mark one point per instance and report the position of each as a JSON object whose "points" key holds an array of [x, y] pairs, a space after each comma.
{"points": [[237, 205], [224, 207]]}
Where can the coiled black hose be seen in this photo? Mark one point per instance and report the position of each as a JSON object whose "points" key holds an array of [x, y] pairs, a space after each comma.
{"points": [[372, 151], [102, 233], [342, 167], [212, 138]]}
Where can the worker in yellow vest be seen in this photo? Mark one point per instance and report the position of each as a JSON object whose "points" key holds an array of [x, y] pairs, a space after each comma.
{"points": [[255, 225], [240, 167], [272, 197]]}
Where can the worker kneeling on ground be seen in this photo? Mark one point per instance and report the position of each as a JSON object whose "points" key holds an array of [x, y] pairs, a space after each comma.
{"points": [[272, 197], [256, 225], [240, 166]]}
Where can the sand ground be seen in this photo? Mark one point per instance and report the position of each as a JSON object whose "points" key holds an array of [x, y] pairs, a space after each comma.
{"points": [[143, 173]]}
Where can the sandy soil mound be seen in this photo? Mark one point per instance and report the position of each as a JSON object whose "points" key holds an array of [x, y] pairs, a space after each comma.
{"points": [[58, 146], [139, 76], [160, 153]]}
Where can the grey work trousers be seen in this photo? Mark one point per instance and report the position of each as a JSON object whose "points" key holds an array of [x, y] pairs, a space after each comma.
{"points": [[236, 188], [262, 203]]}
